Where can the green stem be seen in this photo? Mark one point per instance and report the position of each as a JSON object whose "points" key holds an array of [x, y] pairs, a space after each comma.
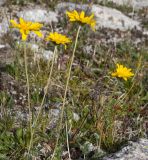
{"points": [[66, 90], [28, 89], [43, 100], [47, 85]]}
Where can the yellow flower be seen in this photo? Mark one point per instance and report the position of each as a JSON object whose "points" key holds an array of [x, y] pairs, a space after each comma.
{"points": [[74, 16], [122, 72], [25, 27], [58, 38]]}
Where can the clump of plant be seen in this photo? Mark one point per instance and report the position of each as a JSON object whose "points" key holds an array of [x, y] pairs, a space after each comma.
{"points": [[94, 100]]}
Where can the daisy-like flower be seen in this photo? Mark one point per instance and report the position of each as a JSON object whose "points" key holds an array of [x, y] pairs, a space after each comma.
{"points": [[25, 27], [58, 38], [75, 16], [122, 72]]}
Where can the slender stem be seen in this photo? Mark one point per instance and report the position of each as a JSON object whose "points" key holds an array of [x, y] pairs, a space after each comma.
{"points": [[45, 93], [66, 90], [28, 89], [67, 141], [47, 85]]}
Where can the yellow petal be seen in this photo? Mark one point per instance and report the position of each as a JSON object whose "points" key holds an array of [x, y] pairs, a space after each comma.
{"points": [[76, 14], [22, 21], [38, 33], [68, 13], [35, 26], [125, 78], [114, 74], [92, 16], [14, 24], [24, 35], [82, 14]]}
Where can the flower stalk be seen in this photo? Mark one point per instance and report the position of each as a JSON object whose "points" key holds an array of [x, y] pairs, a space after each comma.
{"points": [[66, 90], [43, 100], [28, 90]]}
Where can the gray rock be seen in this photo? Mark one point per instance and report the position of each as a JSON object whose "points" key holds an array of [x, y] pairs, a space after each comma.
{"points": [[53, 115], [134, 151], [6, 56], [105, 17], [88, 49], [41, 53], [47, 54], [70, 6], [34, 47], [136, 4], [39, 15], [2, 2], [113, 19], [4, 27]]}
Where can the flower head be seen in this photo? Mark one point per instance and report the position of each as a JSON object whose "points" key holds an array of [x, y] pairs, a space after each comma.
{"points": [[122, 72], [25, 27], [58, 38], [74, 16]]}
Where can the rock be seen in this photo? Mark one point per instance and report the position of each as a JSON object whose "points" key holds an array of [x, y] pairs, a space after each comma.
{"points": [[88, 49], [136, 4], [145, 32], [6, 55], [53, 115], [47, 54], [70, 6], [4, 27], [39, 15], [87, 147], [41, 53], [76, 117], [93, 152], [134, 151], [34, 47], [113, 19], [2, 2], [105, 17], [2, 46]]}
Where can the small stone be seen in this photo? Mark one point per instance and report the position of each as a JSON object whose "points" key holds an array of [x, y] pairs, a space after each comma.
{"points": [[2, 46], [47, 54], [55, 112], [13, 92], [35, 47], [88, 49], [76, 117], [87, 147]]}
